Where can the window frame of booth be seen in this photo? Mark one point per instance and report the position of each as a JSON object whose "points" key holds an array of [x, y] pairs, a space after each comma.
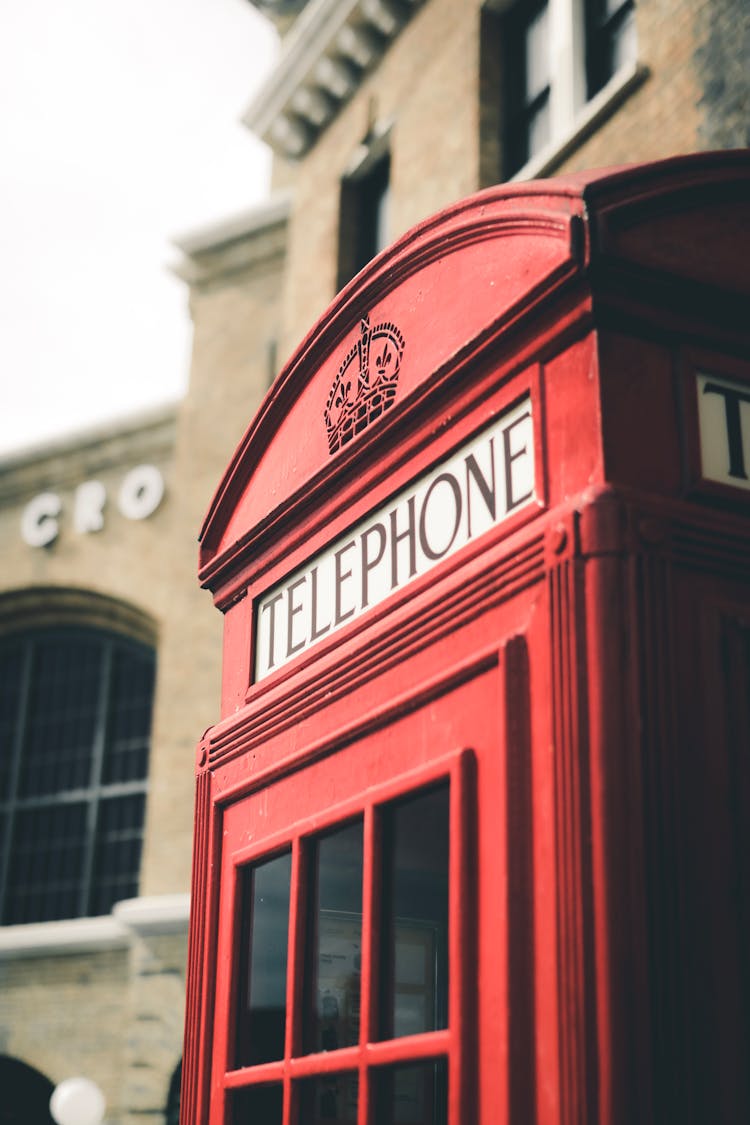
{"points": [[372, 1054]]}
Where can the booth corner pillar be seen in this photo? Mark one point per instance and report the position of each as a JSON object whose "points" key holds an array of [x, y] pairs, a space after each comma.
{"points": [[473, 829]]}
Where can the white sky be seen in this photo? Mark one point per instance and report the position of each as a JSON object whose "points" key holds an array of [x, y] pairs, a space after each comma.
{"points": [[119, 129]]}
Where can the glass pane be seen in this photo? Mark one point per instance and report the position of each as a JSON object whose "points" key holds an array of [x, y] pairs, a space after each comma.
{"points": [[624, 47], [64, 711], [130, 717], [412, 1095], [381, 211], [414, 967], [537, 55], [46, 873], [539, 129], [263, 961], [257, 1105], [118, 851], [335, 940], [11, 664], [331, 1098]]}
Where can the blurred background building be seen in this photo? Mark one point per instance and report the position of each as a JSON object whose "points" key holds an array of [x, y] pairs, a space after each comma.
{"points": [[379, 113]]}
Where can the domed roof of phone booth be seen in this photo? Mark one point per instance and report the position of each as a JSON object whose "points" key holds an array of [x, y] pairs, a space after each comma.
{"points": [[463, 274]]}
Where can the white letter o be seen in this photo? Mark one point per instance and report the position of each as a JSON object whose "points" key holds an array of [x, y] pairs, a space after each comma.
{"points": [[140, 492]]}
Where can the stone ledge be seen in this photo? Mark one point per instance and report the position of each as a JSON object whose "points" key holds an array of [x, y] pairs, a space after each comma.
{"points": [[52, 939], [161, 914], [236, 244], [158, 914]]}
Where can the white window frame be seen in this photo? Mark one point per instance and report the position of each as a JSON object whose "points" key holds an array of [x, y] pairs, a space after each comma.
{"points": [[573, 117]]}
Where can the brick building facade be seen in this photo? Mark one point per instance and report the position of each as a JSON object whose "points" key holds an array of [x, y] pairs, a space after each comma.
{"points": [[380, 112]]}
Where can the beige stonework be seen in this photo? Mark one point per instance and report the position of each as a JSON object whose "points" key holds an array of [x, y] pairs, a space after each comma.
{"points": [[67, 1015]]}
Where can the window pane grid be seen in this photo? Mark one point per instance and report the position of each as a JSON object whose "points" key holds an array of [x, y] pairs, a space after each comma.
{"points": [[11, 672], [611, 40], [45, 875], [413, 1064], [63, 711], [118, 851], [130, 718], [71, 824]]}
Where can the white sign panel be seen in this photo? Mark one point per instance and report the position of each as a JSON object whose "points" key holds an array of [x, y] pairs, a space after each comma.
{"points": [[724, 424], [469, 492]]}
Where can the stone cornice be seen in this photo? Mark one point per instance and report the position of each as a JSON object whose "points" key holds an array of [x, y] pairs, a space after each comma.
{"points": [[232, 245], [325, 55]]}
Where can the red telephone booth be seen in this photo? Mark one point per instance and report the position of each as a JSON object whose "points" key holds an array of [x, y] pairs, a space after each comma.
{"points": [[473, 834]]}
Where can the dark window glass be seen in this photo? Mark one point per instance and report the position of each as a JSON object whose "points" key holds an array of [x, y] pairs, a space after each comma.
{"points": [[364, 220], [417, 1092], [528, 84], [130, 719], [263, 961], [256, 1105], [46, 874], [118, 851], [334, 940], [172, 1115], [64, 710], [75, 717], [414, 965], [11, 667], [610, 40], [331, 1099]]}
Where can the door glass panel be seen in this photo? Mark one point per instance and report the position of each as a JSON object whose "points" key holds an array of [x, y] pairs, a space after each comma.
{"points": [[257, 1105], [414, 965], [263, 961], [334, 940], [415, 1094], [330, 1100]]}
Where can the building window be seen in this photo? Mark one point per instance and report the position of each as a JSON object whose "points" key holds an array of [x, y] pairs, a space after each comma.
{"points": [[528, 84], [610, 40], [75, 719], [364, 215], [543, 62]]}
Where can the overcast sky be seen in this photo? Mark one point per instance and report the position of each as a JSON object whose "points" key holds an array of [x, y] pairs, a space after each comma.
{"points": [[119, 130]]}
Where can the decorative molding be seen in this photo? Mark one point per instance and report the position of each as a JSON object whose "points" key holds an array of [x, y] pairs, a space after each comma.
{"points": [[329, 49], [577, 1035], [662, 768], [198, 1002], [522, 1091]]}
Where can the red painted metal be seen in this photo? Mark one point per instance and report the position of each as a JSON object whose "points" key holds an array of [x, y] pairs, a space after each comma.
{"points": [[580, 672]]}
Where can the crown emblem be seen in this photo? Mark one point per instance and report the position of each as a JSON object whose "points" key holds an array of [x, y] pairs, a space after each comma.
{"points": [[359, 396]]}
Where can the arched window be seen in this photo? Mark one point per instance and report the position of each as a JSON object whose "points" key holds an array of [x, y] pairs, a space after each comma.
{"points": [[173, 1099], [24, 1094], [75, 719]]}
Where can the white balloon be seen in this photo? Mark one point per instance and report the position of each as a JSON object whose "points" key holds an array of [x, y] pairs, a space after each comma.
{"points": [[77, 1101]]}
